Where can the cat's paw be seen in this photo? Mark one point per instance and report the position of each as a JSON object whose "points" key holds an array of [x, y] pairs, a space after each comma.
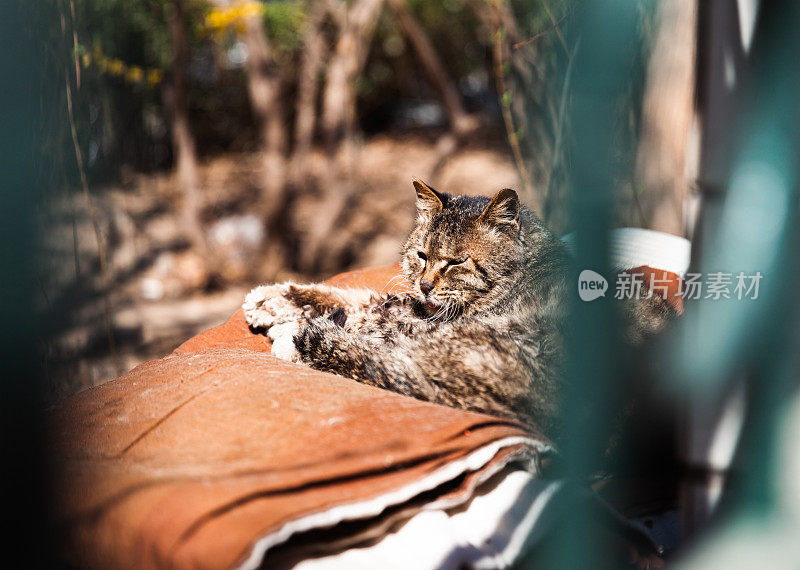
{"points": [[268, 305], [283, 345]]}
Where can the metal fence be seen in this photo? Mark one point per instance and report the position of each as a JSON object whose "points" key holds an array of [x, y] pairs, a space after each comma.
{"points": [[729, 368]]}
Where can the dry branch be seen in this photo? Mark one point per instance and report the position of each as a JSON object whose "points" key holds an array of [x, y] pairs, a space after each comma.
{"points": [[101, 248], [553, 28], [461, 123], [176, 96]]}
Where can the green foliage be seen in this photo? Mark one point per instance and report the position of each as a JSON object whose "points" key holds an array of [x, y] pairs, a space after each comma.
{"points": [[125, 123], [136, 32], [116, 118], [285, 23]]}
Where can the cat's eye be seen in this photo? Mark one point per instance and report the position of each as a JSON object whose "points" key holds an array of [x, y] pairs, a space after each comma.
{"points": [[453, 262], [422, 256]]}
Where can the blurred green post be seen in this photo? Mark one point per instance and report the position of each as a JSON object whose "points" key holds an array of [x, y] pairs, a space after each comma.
{"points": [[27, 539], [755, 341], [607, 42]]}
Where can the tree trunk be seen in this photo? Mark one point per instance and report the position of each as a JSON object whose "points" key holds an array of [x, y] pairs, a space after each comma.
{"points": [[663, 173], [314, 51], [356, 25], [264, 87], [460, 122], [182, 139]]}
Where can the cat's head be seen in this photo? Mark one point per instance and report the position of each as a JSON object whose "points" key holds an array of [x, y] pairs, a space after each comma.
{"points": [[464, 252]]}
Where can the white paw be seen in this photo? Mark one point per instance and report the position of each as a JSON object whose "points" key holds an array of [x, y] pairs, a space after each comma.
{"points": [[266, 306], [282, 337]]}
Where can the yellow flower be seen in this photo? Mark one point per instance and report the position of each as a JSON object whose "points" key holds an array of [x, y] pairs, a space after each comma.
{"points": [[134, 74], [215, 20], [220, 20], [251, 9], [154, 77], [86, 60], [116, 67]]}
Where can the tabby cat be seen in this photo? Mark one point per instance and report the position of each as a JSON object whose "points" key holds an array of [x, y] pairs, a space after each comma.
{"points": [[480, 326]]}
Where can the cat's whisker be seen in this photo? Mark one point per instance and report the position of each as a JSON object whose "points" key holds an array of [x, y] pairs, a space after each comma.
{"points": [[393, 279], [436, 315], [453, 311], [447, 308], [392, 283], [451, 306], [387, 291], [398, 285], [396, 291]]}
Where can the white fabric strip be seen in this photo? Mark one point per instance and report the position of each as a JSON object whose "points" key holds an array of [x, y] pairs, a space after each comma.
{"points": [[375, 506], [633, 247], [492, 533]]}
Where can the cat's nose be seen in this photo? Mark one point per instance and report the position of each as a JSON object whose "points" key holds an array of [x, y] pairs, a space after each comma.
{"points": [[425, 286]]}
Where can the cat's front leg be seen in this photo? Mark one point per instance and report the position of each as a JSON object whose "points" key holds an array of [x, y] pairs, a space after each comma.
{"points": [[325, 345], [270, 305]]}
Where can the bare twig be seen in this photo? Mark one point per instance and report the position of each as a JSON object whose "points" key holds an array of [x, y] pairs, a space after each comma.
{"points": [[505, 103], [558, 142], [460, 122], [545, 32], [106, 281], [75, 44], [462, 125], [553, 21]]}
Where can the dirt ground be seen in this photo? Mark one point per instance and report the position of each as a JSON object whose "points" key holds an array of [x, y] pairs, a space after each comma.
{"points": [[160, 290]]}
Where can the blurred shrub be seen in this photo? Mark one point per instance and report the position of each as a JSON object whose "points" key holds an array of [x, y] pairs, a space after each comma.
{"points": [[124, 46]]}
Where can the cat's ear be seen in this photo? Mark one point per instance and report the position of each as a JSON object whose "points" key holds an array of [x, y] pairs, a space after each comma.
{"points": [[429, 201], [503, 209]]}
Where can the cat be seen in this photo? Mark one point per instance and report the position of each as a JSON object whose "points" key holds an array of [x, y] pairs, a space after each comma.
{"points": [[480, 327]]}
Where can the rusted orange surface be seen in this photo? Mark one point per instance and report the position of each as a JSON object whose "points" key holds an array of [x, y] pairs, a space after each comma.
{"points": [[185, 461], [665, 282]]}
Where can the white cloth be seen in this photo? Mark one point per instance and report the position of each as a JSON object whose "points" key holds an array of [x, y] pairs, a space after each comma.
{"points": [[634, 247]]}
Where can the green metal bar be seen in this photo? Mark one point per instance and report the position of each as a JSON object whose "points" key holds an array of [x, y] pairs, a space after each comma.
{"points": [[718, 342], [757, 229], [607, 47], [24, 477]]}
